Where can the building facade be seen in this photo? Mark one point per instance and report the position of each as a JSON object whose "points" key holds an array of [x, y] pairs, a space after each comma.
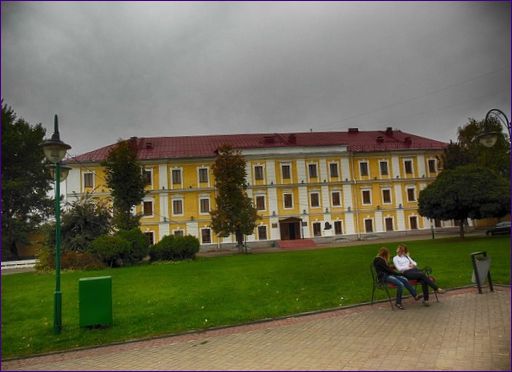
{"points": [[304, 185]]}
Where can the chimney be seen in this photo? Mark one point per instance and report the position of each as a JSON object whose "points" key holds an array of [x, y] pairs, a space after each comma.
{"points": [[353, 130], [389, 131]]}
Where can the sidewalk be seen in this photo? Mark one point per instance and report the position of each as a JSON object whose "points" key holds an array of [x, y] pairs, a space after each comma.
{"points": [[464, 331]]}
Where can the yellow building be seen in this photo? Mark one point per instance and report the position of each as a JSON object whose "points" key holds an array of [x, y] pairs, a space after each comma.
{"points": [[305, 185]]}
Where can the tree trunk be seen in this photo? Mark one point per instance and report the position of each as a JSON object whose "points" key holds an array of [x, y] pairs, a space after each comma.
{"points": [[461, 228]]}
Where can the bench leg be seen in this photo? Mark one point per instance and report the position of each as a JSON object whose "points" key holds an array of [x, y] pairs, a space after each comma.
{"points": [[389, 298]]}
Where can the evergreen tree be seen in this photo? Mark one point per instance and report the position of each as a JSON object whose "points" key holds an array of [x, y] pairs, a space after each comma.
{"points": [[235, 213], [125, 179], [25, 181]]}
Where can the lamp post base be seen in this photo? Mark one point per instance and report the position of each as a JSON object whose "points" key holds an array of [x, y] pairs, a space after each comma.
{"points": [[57, 320]]}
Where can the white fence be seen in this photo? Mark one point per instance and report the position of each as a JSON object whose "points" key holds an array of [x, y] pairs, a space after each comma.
{"points": [[18, 264]]}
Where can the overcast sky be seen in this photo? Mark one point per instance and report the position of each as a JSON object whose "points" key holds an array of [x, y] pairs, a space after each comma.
{"points": [[116, 70]]}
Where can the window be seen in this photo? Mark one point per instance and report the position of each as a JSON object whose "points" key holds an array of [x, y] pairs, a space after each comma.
{"points": [[411, 194], [258, 172], [432, 166], [386, 196], [413, 220], [336, 199], [177, 207], [176, 176], [150, 237], [367, 199], [260, 202], [178, 233], [288, 200], [204, 204], [203, 175], [333, 169], [88, 180], [147, 207], [337, 228], [206, 236], [285, 171], [262, 232], [312, 171], [363, 168], [314, 199], [317, 229], [408, 166], [383, 165], [368, 225], [389, 223], [148, 176]]}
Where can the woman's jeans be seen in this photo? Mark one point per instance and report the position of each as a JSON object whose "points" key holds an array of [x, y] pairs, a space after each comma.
{"points": [[415, 274], [400, 282]]}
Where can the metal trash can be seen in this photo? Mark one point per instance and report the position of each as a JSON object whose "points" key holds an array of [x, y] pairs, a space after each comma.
{"points": [[481, 269], [95, 301]]}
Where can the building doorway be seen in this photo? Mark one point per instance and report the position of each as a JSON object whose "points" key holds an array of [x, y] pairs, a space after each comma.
{"points": [[290, 228]]}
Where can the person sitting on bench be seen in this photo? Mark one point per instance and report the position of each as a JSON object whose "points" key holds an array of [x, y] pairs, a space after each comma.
{"points": [[409, 268], [386, 275]]}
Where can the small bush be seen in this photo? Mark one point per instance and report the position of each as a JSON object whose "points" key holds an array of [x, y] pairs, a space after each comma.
{"points": [[139, 245], [110, 249], [174, 248], [69, 260], [45, 259]]}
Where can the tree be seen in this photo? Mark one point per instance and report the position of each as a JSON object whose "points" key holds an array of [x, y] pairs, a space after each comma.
{"points": [[125, 179], [235, 213], [467, 191], [25, 181], [468, 149], [84, 220]]}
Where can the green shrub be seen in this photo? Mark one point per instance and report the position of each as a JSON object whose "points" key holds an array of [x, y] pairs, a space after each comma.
{"points": [[139, 245], [69, 260], [110, 249], [174, 248]]}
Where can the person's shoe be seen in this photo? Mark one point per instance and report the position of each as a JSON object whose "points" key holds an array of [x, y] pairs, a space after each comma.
{"points": [[399, 306], [440, 291], [418, 297], [426, 303]]}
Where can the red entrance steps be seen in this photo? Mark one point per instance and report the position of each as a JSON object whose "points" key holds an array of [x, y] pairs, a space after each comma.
{"points": [[298, 243]]}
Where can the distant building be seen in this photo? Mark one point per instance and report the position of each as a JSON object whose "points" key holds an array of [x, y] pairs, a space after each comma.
{"points": [[304, 185]]}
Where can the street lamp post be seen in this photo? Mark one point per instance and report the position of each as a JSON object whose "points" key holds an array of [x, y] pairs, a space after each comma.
{"points": [[55, 150], [488, 138]]}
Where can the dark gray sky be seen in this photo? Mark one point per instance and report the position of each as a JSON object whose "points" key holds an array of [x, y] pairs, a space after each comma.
{"points": [[115, 70]]}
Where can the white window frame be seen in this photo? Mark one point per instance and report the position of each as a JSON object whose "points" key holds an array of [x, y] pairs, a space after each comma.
{"points": [[313, 227], [334, 226], [182, 201], [373, 225], [262, 172], [414, 194], [417, 222], [362, 196], [93, 178], [315, 165], [203, 197], [150, 170], [264, 201], [311, 199], [436, 170], [337, 169], [367, 168], [405, 168], [289, 165], [201, 231], [339, 197], [390, 195], [181, 177], [152, 208], [207, 175], [266, 231], [284, 203], [387, 168], [392, 223]]}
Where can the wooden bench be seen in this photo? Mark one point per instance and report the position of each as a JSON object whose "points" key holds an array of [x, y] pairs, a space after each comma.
{"points": [[376, 284]]}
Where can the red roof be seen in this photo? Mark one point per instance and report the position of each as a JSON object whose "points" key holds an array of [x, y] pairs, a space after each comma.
{"points": [[152, 148]]}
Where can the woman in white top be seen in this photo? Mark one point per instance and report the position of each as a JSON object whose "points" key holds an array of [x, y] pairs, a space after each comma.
{"points": [[409, 268]]}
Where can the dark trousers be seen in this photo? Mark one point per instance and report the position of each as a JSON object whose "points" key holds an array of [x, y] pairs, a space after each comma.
{"points": [[425, 281]]}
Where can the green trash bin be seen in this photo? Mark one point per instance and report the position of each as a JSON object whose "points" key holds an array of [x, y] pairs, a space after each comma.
{"points": [[95, 301]]}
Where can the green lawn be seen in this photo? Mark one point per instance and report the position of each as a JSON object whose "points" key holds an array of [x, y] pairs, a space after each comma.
{"points": [[160, 299]]}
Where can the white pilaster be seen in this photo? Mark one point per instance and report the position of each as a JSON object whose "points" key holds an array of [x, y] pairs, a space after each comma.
{"points": [[379, 226], [349, 223], [421, 165], [400, 219], [323, 170], [345, 169], [163, 177], [301, 170], [395, 166], [270, 168]]}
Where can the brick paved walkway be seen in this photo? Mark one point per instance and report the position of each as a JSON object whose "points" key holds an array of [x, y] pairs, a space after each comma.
{"points": [[465, 331]]}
